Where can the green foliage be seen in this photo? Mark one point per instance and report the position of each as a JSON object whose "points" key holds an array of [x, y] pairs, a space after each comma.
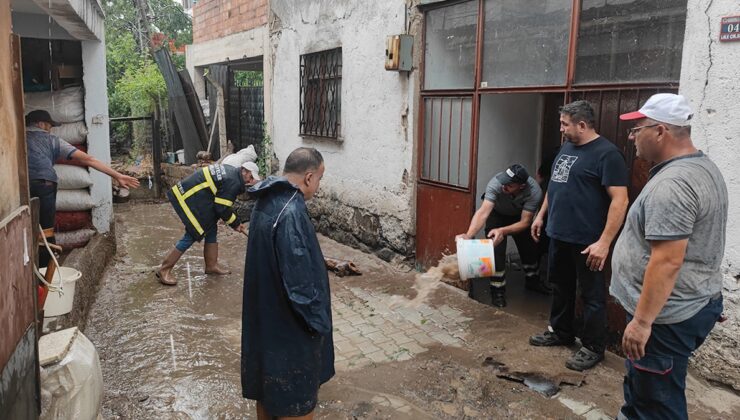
{"points": [[140, 90], [264, 160], [178, 60], [248, 78], [170, 19], [135, 86], [166, 16]]}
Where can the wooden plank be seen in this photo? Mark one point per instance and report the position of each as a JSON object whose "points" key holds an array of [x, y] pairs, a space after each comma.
{"points": [[17, 76], [192, 143], [16, 282], [9, 144]]}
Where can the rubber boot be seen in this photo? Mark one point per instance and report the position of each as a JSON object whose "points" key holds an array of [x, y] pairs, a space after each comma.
{"points": [[210, 254], [164, 272], [498, 296]]}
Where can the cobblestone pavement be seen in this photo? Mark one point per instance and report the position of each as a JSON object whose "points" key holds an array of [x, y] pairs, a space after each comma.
{"points": [[368, 330]]}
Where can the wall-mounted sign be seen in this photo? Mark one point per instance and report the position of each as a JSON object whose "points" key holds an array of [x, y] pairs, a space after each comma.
{"points": [[730, 30]]}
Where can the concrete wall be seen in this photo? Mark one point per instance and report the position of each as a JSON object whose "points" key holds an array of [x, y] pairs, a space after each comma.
{"points": [[709, 79], [37, 26], [366, 197], [505, 137], [214, 19], [250, 43], [98, 139]]}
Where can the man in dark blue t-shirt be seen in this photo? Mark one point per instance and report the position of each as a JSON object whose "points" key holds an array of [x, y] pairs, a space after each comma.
{"points": [[585, 205]]}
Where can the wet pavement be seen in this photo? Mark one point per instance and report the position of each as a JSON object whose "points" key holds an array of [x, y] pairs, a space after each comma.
{"points": [[407, 346]]}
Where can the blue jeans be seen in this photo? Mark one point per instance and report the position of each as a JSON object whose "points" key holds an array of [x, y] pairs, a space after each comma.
{"points": [[654, 386], [187, 239]]}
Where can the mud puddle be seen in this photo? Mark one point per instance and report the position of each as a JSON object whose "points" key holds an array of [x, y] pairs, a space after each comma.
{"points": [[163, 353]]}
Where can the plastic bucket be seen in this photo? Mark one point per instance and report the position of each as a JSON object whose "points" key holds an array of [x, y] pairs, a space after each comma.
{"points": [[475, 258], [180, 155], [56, 305]]}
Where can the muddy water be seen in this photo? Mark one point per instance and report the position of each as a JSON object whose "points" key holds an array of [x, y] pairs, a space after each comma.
{"points": [[134, 316]]}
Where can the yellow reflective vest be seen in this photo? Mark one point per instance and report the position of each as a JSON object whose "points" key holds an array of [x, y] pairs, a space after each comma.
{"points": [[206, 196]]}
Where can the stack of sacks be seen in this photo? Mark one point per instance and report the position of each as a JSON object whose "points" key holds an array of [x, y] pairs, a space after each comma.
{"points": [[242, 156], [73, 222]]}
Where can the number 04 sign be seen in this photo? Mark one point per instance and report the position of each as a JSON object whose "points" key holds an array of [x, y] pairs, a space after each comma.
{"points": [[730, 30]]}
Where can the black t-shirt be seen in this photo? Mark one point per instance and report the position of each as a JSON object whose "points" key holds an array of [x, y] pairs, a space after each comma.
{"points": [[577, 200]]}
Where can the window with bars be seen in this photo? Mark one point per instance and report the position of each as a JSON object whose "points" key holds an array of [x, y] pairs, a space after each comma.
{"points": [[321, 94]]}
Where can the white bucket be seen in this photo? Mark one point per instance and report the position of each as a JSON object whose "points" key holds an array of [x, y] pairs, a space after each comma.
{"points": [[475, 258], [56, 305], [180, 155]]}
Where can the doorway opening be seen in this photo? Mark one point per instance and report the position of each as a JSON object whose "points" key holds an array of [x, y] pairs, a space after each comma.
{"points": [[518, 128]]}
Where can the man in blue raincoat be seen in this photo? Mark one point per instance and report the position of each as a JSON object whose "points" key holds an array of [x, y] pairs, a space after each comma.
{"points": [[287, 346]]}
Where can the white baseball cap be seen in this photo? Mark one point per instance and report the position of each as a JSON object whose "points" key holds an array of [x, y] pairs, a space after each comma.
{"points": [[667, 108], [252, 167]]}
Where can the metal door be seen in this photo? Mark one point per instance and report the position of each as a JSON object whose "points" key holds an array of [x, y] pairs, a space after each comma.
{"points": [[608, 105], [245, 113], [446, 184]]}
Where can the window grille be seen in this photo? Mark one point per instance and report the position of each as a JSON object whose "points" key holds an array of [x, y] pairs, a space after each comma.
{"points": [[321, 93], [447, 137]]}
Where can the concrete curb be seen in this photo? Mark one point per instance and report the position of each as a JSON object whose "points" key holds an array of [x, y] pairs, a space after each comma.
{"points": [[91, 261]]}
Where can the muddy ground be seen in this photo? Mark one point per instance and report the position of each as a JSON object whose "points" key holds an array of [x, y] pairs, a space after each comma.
{"points": [[407, 346]]}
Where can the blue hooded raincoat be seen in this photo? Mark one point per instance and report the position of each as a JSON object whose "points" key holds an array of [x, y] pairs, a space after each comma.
{"points": [[287, 346]]}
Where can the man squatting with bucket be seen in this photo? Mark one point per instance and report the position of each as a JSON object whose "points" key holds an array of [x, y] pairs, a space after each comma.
{"points": [[509, 203], [287, 344], [585, 204], [666, 264], [200, 200]]}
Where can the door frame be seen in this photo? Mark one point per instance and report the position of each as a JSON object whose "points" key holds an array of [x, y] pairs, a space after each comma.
{"points": [[569, 89]]}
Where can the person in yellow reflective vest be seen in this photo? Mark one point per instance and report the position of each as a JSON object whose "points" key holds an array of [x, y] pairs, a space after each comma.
{"points": [[200, 200]]}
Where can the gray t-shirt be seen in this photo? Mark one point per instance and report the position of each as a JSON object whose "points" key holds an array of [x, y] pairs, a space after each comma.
{"points": [[686, 197], [528, 199], [43, 150]]}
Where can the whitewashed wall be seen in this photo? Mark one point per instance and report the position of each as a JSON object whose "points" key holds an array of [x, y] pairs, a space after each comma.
{"points": [[367, 192], [710, 79]]}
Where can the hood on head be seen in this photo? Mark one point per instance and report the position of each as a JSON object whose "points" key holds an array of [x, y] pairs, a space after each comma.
{"points": [[271, 183]]}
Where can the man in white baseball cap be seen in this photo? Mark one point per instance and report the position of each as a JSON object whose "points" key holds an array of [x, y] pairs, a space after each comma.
{"points": [[664, 107], [253, 169], [666, 263]]}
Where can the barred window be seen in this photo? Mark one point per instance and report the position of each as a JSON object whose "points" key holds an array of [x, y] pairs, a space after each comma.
{"points": [[321, 93]]}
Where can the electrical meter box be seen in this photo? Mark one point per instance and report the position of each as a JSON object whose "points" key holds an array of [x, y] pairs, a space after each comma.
{"points": [[398, 56]]}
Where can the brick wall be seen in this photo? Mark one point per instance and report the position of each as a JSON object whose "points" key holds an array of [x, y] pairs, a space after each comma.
{"points": [[219, 18]]}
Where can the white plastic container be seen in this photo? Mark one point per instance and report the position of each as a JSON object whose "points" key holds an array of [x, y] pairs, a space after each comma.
{"points": [[180, 155], [475, 258], [56, 305]]}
